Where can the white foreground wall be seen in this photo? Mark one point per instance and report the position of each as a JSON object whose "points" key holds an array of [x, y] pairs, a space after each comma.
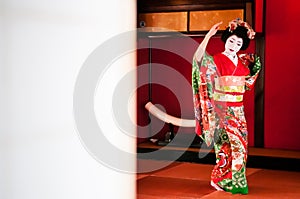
{"points": [[43, 44]]}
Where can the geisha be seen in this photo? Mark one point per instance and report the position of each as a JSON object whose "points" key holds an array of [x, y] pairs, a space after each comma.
{"points": [[219, 82]]}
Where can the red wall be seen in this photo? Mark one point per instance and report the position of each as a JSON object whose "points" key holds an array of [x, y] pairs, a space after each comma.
{"points": [[281, 74]]}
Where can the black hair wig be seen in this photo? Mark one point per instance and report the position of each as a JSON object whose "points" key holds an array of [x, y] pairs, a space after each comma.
{"points": [[240, 32]]}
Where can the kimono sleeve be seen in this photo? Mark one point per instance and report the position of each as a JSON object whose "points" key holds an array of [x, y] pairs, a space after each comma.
{"points": [[254, 72], [203, 74]]}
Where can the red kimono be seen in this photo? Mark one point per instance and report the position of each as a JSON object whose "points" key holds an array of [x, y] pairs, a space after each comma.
{"points": [[218, 88]]}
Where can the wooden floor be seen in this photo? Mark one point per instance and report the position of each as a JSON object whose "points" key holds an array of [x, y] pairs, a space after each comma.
{"points": [[183, 180], [190, 180]]}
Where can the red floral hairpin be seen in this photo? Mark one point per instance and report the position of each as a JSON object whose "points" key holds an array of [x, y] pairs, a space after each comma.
{"points": [[238, 22]]}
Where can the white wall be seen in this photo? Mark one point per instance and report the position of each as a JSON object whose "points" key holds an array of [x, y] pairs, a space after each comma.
{"points": [[43, 44]]}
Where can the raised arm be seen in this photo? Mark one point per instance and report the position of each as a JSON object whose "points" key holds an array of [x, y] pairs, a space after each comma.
{"points": [[202, 47]]}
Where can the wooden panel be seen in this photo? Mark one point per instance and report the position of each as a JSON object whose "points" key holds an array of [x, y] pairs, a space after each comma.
{"points": [[169, 20], [203, 20], [248, 14], [147, 6]]}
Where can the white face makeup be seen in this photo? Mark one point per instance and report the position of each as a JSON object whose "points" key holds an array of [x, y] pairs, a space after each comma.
{"points": [[233, 45]]}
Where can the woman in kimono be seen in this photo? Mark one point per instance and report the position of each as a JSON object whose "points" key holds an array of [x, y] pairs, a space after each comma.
{"points": [[219, 82]]}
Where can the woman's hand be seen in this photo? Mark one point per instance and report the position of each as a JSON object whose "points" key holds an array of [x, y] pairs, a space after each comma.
{"points": [[214, 29]]}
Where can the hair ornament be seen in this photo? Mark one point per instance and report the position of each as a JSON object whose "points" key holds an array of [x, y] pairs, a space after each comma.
{"points": [[238, 22]]}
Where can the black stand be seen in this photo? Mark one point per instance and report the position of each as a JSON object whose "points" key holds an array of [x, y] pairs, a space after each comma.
{"points": [[197, 142]]}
